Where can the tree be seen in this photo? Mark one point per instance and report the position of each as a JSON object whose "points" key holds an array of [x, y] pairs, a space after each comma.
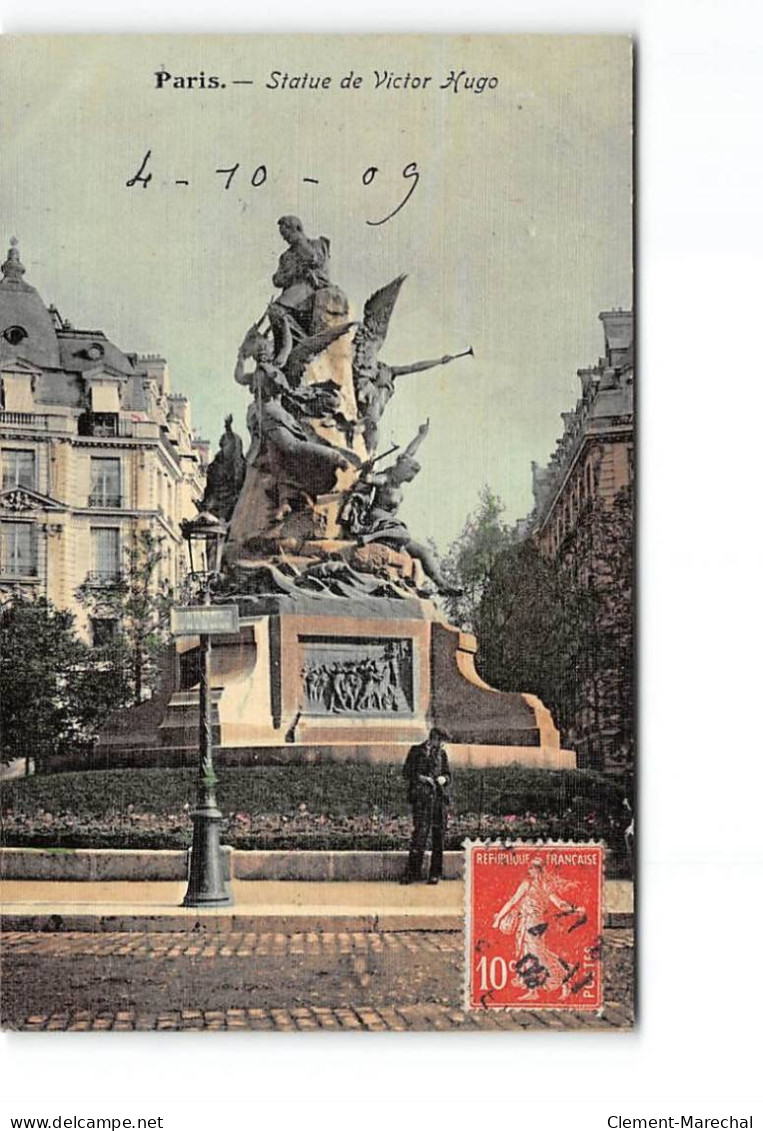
{"points": [[471, 557], [536, 628], [601, 549], [55, 691], [138, 601], [563, 629]]}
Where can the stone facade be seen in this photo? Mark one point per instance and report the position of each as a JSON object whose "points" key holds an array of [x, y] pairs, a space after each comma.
{"points": [[93, 448], [583, 517]]}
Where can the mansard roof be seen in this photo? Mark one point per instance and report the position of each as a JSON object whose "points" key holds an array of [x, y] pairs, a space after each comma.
{"points": [[32, 332], [83, 349], [26, 325]]}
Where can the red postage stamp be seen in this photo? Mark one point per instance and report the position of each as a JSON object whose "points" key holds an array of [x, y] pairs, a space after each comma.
{"points": [[533, 926]]}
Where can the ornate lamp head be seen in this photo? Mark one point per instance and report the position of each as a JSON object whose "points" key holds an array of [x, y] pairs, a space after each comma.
{"points": [[207, 534]]}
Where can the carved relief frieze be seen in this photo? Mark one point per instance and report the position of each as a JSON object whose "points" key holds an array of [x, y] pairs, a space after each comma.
{"points": [[357, 676]]}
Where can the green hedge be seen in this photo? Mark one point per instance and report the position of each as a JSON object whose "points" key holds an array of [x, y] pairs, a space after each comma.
{"points": [[333, 790], [307, 807]]}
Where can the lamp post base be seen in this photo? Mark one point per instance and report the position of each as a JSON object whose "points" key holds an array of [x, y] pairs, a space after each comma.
{"points": [[206, 884]]}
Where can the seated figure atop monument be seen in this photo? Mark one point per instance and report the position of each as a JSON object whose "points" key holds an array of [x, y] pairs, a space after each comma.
{"points": [[302, 270]]}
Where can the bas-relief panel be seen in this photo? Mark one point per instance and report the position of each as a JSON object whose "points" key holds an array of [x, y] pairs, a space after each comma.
{"points": [[357, 676]]}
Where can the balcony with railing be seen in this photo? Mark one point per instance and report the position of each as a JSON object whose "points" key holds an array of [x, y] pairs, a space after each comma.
{"points": [[19, 571], [105, 425], [58, 421], [23, 419], [102, 577], [105, 501]]}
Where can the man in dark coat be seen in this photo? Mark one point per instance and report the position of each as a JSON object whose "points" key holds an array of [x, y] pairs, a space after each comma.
{"points": [[428, 774]]}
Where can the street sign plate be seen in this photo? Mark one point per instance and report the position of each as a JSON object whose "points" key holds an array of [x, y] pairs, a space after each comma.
{"points": [[203, 620]]}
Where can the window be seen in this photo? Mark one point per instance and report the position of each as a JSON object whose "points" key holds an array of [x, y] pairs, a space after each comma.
{"points": [[105, 482], [99, 424], [15, 335], [18, 549], [105, 541], [102, 630], [18, 469]]}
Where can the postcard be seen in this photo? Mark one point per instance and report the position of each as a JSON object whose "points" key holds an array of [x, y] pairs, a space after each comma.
{"points": [[316, 533]]}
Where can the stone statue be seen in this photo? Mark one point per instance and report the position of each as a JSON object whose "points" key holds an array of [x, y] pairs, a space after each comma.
{"points": [[276, 429], [374, 394], [289, 463], [339, 579], [374, 379], [312, 493], [302, 270], [281, 405], [225, 475], [371, 510], [370, 337]]}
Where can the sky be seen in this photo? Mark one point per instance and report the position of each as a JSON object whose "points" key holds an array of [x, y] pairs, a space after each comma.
{"points": [[517, 233]]}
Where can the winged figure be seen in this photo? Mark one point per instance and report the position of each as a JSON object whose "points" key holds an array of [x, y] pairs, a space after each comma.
{"points": [[298, 355], [374, 379], [376, 318]]}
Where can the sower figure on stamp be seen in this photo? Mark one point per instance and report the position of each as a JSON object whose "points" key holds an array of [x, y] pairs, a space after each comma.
{"points": [[428, 774]]}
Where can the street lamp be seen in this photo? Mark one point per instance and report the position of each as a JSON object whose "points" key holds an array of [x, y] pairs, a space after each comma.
{"points": [[205, 535]]}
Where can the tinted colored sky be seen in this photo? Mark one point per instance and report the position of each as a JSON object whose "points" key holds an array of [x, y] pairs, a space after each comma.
{"points": [[517, 234]]}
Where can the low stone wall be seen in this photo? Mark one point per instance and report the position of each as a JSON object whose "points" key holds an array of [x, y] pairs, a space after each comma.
{"points": [[88, 865], [327, 866]]}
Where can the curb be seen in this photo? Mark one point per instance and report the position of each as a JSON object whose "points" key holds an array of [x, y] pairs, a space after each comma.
{"points": [[212, 922]]}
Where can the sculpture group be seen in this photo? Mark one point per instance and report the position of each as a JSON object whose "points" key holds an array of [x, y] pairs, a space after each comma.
{"points": [[341, 655], [309, 505]]}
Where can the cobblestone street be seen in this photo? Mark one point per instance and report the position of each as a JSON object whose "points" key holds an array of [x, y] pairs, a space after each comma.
{"points": [[233, 981]]}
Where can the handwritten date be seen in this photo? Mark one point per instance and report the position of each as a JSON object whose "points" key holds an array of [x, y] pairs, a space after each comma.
{"points": [[258, 178]]}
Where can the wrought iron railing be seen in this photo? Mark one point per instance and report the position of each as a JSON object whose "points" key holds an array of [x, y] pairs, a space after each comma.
{"points": [[12, 571], [104, 425], [102, 499], [103, 577]]}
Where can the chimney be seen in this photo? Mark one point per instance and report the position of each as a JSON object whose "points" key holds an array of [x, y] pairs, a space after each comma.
{"points": [[180, 409], [155, 366], [587, 379], [618, 335]]}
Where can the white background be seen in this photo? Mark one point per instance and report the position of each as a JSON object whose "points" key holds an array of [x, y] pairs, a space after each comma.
{"points": [[700, 374]]}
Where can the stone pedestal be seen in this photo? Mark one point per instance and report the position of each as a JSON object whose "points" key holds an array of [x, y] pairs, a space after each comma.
{"points": [[332, 679]]}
